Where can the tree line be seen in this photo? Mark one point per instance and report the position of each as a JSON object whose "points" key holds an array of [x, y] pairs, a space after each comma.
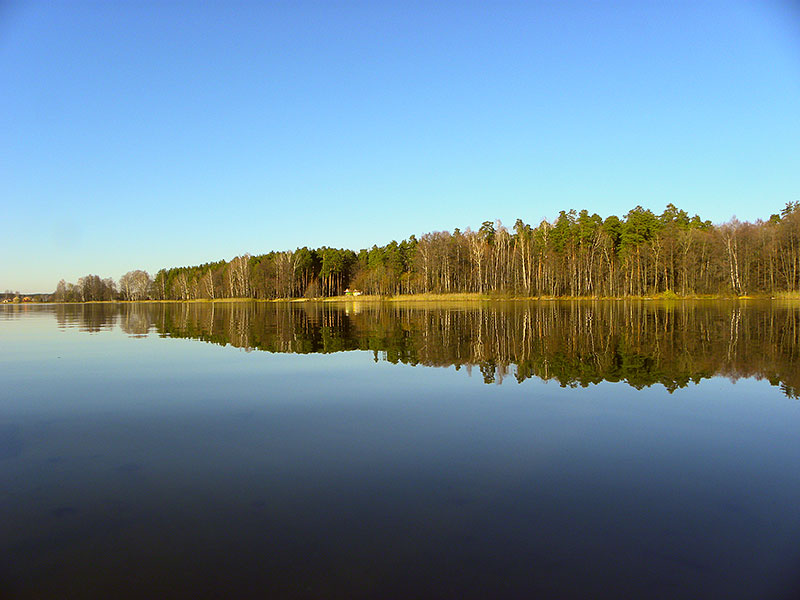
{"points": [[577, 255]]}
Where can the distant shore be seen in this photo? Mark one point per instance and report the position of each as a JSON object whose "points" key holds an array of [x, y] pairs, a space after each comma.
{"points": [[455, 297]]}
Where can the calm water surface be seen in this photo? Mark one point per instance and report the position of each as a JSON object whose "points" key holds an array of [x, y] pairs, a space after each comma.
{"points": [[560, 450]]}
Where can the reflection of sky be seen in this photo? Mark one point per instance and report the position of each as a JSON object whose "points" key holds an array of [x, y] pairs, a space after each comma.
{"points": [[109, 443]]}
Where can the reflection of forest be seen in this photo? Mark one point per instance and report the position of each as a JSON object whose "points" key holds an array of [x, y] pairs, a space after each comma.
{"points": [[574, 343]]}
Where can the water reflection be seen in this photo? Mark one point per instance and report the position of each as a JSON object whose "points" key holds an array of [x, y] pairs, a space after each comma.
{"points": [[573, 343]]}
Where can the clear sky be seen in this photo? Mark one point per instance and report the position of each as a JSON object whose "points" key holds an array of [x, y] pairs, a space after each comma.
{"points": [[154, 134]]}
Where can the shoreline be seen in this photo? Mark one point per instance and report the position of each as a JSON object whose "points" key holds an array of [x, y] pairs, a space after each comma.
{"points": [[446, 298]]}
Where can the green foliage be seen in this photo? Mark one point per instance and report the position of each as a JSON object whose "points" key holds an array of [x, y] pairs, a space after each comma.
{"points": [[564, 230], [612, 227], [487, 232], [790, 208], [640, 226]]}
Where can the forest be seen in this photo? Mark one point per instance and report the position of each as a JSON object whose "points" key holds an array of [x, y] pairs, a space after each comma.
{"points": [[579, 254]]}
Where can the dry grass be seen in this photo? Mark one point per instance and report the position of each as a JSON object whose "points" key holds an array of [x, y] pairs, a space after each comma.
{"points": [[459, 297], [787, 295]]}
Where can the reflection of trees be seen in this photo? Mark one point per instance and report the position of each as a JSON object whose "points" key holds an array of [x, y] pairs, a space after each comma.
{"points": [[573, 343], [86, 317], [134, 319], [275, 327]]}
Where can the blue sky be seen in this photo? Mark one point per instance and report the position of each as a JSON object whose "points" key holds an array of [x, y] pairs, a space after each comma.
{"points": [[149, 134]]}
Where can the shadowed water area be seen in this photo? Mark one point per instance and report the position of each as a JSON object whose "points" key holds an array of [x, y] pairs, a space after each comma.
{"points": [[622, 449]]}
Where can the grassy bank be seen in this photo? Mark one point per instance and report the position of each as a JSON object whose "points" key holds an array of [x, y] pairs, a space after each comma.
{"points": [[455, 297], [787, 295]]}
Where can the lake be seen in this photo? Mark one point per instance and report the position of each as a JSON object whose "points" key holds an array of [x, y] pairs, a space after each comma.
{"points": [[620, 449]]}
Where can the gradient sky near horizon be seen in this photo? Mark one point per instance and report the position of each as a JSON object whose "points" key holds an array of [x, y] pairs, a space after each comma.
{"points": [[157, 134]]}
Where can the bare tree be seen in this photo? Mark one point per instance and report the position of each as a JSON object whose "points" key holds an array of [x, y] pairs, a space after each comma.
{"points": [[135, 285]]}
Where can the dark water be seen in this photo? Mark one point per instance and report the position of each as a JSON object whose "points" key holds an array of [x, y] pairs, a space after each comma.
{"points": [[632, 450]]}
